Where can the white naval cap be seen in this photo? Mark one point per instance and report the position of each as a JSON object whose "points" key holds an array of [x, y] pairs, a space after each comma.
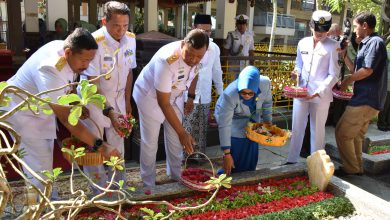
{"points": [[321, 21], [241, 18]]}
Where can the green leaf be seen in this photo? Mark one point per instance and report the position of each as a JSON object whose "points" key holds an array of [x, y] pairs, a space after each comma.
{"points": [[120, 183], [3, 84], [97, 99], [47, 111], [56, 172], [75, 113], [66, 99], [130, 188]]}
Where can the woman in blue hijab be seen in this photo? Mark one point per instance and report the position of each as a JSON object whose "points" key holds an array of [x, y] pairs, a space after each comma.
{"points": [[246, 99]]}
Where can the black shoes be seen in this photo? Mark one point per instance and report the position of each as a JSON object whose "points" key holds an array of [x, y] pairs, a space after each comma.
{"points": [[340, 173], [383, 128], [288, 163]]}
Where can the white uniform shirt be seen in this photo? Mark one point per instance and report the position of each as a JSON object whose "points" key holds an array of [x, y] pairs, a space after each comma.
{"points": [[45, 69], [114, 88], [209, 71], [166, 72], [235, 39], [318, 67]]}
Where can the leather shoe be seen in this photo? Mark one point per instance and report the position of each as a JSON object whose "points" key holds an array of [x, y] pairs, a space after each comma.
{"points": [[340, 173], [383, 128], [288, 163]]}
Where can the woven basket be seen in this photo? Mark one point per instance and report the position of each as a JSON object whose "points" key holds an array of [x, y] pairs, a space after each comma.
{"points": [[341, 95], [279, 140], [193, 184], [89, 159], [291, 92]]}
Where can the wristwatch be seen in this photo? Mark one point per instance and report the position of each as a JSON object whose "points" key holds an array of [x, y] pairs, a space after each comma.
{"points": [[107, 110], [192, 96], [98, 143]]}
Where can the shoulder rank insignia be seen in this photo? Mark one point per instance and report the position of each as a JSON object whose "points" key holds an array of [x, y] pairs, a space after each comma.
{"points": [[99, 38], [171, 59], [129, 34], [60, 63]]}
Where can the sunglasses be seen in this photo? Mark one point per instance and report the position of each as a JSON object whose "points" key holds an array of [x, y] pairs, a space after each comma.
{"points": [[247, 93]]}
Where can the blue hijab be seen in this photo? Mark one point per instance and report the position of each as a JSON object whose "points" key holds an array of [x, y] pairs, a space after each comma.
{"points": [[249, 78]]}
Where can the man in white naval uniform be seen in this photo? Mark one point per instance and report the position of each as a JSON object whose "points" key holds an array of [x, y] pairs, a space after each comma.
{"points": [[318, 70], [112, 36], [158, 92], [239, 43], [196, 122], [53, 65]]}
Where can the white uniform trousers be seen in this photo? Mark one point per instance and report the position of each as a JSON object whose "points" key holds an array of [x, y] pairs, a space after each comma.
{"points": [[150, 130], [39, 157], [98, 173], [318, 115]]}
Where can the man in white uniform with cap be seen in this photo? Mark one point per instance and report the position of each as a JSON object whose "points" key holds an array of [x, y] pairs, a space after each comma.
{"points": [[158, 92], [239, 43], [317, 69], [53, 65], [111, 37], [210, 71]]}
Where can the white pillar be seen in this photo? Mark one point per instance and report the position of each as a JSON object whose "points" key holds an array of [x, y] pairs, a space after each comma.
{"points": [[56, 9], [250, 13], [225, 18], [132, 15], [31, 18], [207, 8], [179, 22], [151, 15], [287, 11]]}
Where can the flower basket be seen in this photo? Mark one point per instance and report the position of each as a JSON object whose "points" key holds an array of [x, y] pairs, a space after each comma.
{"points": [[195, 178], [344, 95], [267, 135], [89, 159], [294, 92]]}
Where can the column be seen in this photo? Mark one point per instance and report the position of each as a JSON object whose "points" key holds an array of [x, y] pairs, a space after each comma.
{"points": [[92, 12], [225, 18], [31, 18], [250, 13], [71, 18], [165, 18], [56, 9], [151, 13], [287, 11], [76, 6], [179, 21], [132, 15], [207, 8], [15, 34]]}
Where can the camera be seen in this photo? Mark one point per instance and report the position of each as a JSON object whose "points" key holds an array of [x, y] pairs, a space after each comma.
{"points": [[346, 33]]}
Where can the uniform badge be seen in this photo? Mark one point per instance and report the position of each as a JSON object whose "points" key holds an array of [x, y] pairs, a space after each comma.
{"points": [[99, 38], [180, 77], [128, 52], [171, 59], [60, 63], [129, 34], [107, 58], [304, 52], [174, 87]]}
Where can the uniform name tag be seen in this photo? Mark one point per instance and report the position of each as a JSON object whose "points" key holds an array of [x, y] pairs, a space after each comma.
{"points": [[107, 58], [304, 52], [180, 77]]}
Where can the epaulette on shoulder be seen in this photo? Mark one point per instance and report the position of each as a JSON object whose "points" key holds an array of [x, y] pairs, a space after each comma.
{"points": [[60, 63], [99, 38], [129, 34], [171, 59]]}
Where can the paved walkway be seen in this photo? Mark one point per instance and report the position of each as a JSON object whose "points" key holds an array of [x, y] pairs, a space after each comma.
{"points": [[270, 157]]}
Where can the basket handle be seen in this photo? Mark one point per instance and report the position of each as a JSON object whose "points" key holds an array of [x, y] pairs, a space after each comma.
{"points": [[197, 152], [273, 109]]}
